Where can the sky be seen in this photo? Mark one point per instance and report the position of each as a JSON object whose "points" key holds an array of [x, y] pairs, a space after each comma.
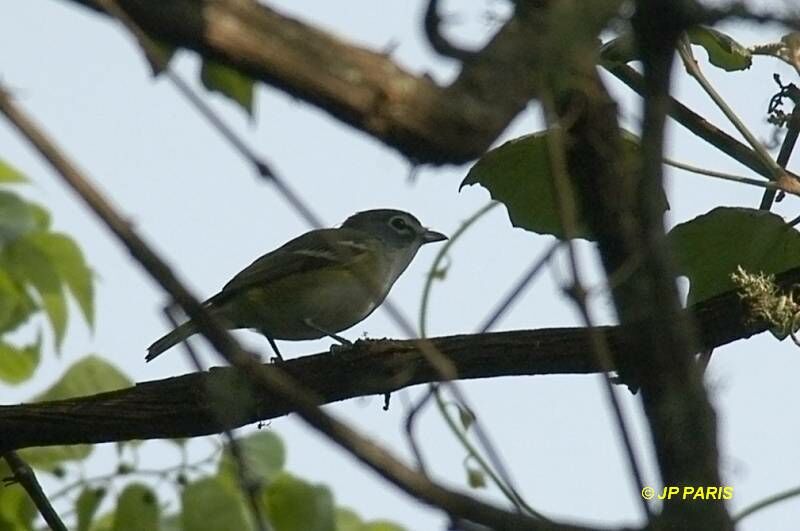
{"points": [[200, 205]]}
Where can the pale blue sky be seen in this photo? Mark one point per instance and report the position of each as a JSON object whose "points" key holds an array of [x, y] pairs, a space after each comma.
{"points": [[200, 205]]}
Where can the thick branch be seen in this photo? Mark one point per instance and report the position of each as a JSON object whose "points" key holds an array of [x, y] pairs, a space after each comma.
{"points": [[204, 403], [363, 88]]}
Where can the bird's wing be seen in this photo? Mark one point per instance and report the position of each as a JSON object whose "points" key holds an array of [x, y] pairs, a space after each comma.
{"points": [[321, 248]]}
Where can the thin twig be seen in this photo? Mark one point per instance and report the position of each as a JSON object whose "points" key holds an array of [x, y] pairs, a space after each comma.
{"points": [[516, 290], [159, 474], [433, 31], [435, 271], [785, 153], [508, 490], [766, 502], [693, 69], [410, 425], [24, 475], [567, 212], [770, 185], [250, 487]]}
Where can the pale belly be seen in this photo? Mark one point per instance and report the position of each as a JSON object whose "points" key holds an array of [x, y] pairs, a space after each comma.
{"points": [[332, 306]]}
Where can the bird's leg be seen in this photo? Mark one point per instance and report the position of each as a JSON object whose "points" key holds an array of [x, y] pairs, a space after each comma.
{"points": [[309, 323], [273, 345]]}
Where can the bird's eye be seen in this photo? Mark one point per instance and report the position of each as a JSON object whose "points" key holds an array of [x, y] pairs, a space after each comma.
{"points": [[399, 224]]}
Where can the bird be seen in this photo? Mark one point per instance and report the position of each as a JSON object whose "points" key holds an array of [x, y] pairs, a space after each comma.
{"points": [[318, 284]]}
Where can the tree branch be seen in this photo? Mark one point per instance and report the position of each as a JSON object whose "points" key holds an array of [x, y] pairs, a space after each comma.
{"points": [[203, 403], [366, 89]]}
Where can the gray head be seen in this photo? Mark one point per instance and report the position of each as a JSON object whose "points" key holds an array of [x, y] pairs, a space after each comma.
{"points": [[394, 227]]}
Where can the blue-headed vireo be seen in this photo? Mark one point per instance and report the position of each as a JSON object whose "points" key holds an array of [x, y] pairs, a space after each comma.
{"points": [[317, 284]]}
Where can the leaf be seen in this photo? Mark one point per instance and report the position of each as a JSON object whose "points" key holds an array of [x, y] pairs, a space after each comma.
{"points": [[163, 53], [466, 416], [263, 454], [41, 216], [50, 458], [17, 364], [295, 505], [710, 247], [17, 217], [348, 520], [16, 305], [29, 265], [208, 505], [137, 509], [229, 82], [88, 376], [103, 523], [86, 506], [519, 175], [723, 51], [68, 260], [16, 508], [476, 478], [791, 49], [171, 522], [10, 175], [381, 525]]}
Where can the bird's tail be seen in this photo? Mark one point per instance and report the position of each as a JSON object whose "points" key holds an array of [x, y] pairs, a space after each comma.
{"points": [[171, 339]]}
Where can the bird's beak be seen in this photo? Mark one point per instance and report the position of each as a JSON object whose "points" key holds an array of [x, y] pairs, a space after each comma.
{"points": [[430, 236]]}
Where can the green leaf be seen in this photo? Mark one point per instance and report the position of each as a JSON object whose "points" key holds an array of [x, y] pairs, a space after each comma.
{"points": [[230, 82], [137, 509], [348, 520], [476, 478], [295, 505], [103, 523], [163, 52], [86, 506], [50, 458], [17, 364], [518, 174], [16, 305], [88, 376], [171, 522], [723, 51], [17, 511], [263, 454], [28, 264], [466, 416], [17, 217], [41, 216], [209, 505], [68, 260], [381, 525], [710, 247], [10, 175]]}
